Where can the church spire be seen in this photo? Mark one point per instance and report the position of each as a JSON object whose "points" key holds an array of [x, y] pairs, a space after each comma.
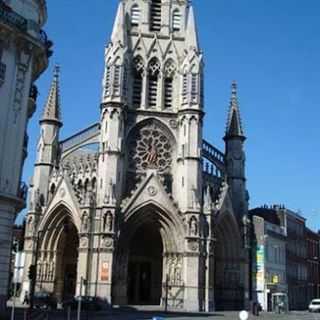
{"points": [[118, 31], [52, 111], [191, 31], [234, 126]]}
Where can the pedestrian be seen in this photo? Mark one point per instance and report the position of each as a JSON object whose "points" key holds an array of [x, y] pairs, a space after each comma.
{"points": [[26, 298]]}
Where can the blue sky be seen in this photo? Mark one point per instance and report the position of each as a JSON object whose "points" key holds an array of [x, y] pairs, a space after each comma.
{"points": [[270, 47]]}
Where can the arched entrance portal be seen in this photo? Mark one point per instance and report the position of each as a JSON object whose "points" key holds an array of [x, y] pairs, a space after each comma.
{"points": [[67, 260], [149, 251], [229, 291], [145, 266]]}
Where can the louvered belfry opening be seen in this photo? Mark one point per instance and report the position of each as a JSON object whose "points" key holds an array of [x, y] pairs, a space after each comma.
{"points": [[168, 83], [155, 15], [154, 70], [135, 15], [169, 72], [137, 82], [137, 88]]}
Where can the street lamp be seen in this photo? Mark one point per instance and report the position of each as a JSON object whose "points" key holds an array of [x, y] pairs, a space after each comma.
{"points": [[33, 268]]}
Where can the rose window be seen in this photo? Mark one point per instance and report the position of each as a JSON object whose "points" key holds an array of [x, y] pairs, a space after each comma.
{"points": [[150, 148]]}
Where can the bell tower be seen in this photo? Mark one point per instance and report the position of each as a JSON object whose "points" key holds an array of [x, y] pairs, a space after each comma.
{"points": [[151, 118]]}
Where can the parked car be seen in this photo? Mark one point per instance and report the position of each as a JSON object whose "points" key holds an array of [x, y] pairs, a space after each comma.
{"points": [[87, 303], [43, 300], [314, 305]]}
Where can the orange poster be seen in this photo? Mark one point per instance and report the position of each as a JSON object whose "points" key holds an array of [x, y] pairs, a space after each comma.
{"points": [[105, 271]]}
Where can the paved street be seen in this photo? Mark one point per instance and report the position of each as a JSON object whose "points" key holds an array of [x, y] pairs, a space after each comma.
{"points": [[149, 315]]}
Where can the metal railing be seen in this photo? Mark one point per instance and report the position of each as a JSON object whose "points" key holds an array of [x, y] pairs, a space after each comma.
{"points": [[8, 16]]}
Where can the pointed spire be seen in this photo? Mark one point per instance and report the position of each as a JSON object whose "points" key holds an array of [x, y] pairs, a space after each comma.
{"points": [[191, 31], [234, 126], [118, 31], [52, 107]]}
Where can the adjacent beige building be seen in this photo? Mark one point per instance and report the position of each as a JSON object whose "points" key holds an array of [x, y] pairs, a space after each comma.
{"points": [[24, 53], [139, 204]]}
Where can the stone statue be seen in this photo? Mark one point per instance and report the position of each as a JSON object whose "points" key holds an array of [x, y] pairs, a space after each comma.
{"points": [[85, 223], [193, 226]]}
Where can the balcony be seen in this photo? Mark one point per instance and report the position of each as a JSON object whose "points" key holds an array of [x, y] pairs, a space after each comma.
{"points": [[8, 16]]}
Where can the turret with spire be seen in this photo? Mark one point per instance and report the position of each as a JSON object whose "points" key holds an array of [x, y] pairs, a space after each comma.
{"points": [[47, 149], [235, 155]]}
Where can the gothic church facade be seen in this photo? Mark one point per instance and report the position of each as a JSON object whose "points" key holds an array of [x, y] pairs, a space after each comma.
{"points": [[139, 204]]}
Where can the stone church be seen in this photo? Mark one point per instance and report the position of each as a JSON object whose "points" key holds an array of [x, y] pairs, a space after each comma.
{"points": [[139, 205]]}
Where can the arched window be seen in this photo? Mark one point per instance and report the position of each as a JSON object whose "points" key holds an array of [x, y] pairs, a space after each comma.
{"points": [[176, 20], [137, 82], [194, 85], [135, 15], [154, 70], [117, 78], [185, 88], [168, 84], [155, 15], [108, 81]]}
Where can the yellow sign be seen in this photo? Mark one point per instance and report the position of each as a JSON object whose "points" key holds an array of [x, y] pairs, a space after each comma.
{"points": [[275, 279]]}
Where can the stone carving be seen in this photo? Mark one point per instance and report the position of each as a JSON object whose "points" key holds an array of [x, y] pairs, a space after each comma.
{"points": [[85, 223], [194, 199], [108, 222], [193, 245], [22, 69], [84, 242], [107, 242], [110, 194], [193, 226], [152, 191], [30, 225], [175, 269], [207, 201]]}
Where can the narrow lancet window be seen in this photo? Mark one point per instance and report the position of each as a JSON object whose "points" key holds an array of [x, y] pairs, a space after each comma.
{"points": [[154, 70], [176, 20], [168, 84], [155, 15], [137, 82], [135, 15]]}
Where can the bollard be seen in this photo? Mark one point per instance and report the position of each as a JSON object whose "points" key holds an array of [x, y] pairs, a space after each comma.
{"points": [[69, 313], [157, 318]]}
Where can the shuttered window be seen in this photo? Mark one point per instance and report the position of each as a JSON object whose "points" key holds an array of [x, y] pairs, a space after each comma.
{"points": [[155, 15], [176, 20], [135, 15]]}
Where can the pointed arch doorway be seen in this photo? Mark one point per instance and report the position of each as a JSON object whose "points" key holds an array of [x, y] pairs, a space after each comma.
{"points": [[67, 263], [145, 266], [58, 257]]}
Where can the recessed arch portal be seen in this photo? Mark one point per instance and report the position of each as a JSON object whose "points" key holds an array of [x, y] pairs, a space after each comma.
{"points": [[228, 291], [58, 253], [151, 242]]}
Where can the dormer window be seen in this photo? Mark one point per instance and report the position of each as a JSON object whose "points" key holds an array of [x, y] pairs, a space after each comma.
{"points": [[176, 20], [135, 15], [155, 15]]}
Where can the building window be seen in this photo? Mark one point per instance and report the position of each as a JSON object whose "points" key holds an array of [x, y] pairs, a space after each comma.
{"points": [[154, 70], [108, 81], [138, 69], [155, 15], [194, 88], [116, 80], [185, 88], [135, 15], [176, 20], [168, 84]]}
